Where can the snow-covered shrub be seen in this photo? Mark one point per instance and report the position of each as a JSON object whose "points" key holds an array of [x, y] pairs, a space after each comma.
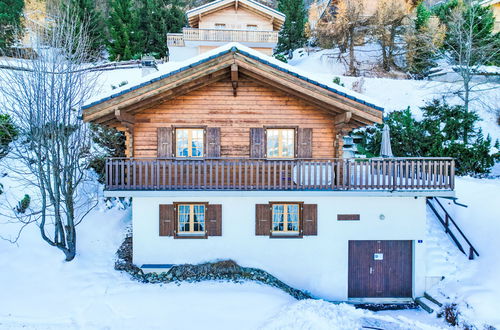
{"points": [[23, 204], [110, 143], [8, 133]]}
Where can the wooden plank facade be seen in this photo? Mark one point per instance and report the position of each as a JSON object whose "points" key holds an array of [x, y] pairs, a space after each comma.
{"points": [[255, 106]]}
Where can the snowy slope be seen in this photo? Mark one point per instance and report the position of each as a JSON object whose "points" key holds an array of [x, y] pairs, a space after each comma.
{"points": [[398, 94], [41, 291]]}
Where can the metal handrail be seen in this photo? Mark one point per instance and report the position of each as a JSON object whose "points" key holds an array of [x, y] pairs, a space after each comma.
{"points": [[446, 224]]}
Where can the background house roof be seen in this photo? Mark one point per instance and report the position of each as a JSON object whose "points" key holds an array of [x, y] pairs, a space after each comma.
{"points": [[194, 14], [173, 68]]}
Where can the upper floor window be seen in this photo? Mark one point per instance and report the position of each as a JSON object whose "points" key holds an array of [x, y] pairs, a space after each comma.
{"points": [[191, 219], [285, 218], [189, 142], [220, 25], [251, 27], [280, 142]]}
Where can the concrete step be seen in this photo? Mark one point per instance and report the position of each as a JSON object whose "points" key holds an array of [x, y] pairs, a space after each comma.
{"points": [[428, 303]]}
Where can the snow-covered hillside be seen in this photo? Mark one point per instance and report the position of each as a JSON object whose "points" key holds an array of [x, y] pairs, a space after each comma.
{"points": [[41, 291]]}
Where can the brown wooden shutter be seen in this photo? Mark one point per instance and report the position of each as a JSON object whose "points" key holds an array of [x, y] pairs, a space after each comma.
{"points": [[167, 220], [164, 139], [214, 220], [262, 219], [310, 219], [257, 143], [213, 142], [304, 143]]}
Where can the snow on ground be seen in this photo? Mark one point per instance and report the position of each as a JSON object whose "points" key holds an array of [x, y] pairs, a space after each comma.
{"points": [[475, 285], [41, 291]]}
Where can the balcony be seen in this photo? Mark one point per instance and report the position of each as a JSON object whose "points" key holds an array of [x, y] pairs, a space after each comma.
{"points": [[196, 36], [243, 174]]}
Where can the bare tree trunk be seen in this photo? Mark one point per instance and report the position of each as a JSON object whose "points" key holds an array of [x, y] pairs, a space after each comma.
{"points": [[45, 99]]}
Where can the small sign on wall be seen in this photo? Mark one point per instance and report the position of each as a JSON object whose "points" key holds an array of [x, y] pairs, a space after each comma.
{"points": [[378, 256]]}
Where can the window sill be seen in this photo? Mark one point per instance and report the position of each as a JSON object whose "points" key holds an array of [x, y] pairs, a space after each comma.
{"points": [[285, 235], [192, 236]]}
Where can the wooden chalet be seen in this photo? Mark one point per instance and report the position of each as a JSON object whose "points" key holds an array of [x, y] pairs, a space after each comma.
{"points": [[235, 155]]}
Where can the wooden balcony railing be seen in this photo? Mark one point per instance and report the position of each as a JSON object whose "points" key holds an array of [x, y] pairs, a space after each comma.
{"points": [[298, 174], [175, 40], [191, 34]]}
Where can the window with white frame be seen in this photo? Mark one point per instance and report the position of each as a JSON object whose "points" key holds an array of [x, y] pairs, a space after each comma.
{"points": [[220, 25], [285, 218], [252, 27], [189, 142], [280, 142], [191, 219]]}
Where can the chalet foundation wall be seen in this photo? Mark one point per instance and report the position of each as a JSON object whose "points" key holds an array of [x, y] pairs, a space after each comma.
{"points": [[318, 264]]}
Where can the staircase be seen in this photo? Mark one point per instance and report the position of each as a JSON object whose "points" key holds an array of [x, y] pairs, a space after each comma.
{"points": [[428, 303], [451, 228]]}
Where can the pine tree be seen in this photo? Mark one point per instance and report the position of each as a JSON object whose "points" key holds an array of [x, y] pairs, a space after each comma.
{"points": [[122, 31], [292, 34], [86, 14], [156, 19], [10, 21], [424, 38]]}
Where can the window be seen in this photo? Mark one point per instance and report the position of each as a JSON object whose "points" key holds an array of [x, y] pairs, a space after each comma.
{"points": [[280, 142], [285, 219], [189, 142], [220, 25], [191, 219], [251, 27]]}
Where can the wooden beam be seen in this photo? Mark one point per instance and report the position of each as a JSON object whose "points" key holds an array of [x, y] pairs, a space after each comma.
{"points": [[342, 118], [234, 78], [124, 117], [236, 5]]}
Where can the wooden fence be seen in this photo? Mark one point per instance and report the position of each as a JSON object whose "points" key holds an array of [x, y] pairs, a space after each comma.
{"points": [[296, 174]]}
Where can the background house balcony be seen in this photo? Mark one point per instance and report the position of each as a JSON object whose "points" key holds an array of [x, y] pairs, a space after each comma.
{"points": [[197, 37], [400, 174]]}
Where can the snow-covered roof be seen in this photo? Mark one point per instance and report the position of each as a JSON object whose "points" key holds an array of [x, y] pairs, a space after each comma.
{"points": [[173, 68]]}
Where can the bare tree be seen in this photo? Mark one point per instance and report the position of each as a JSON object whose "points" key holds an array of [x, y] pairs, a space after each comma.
{"points": [[470, 45], [344, 26], [44, 97], [389, 22]]}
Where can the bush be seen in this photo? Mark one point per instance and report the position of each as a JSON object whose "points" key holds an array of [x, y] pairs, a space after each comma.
{"points": [[337, 81], [281, 57], [8, 133], [111, 143], [23, 204], [444, 131]]}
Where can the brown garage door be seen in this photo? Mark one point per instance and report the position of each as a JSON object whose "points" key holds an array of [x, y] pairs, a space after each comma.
{"points": [[380, 269]]}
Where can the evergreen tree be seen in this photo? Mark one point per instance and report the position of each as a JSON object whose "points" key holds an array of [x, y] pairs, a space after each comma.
{"points": [[122, 31], [424, 38], [86, 14], [10, 21], [156, 19], [438, 134], [292, 34]]}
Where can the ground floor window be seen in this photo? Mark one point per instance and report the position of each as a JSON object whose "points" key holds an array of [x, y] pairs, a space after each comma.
{"points": [[191, 219], [285, 218]]}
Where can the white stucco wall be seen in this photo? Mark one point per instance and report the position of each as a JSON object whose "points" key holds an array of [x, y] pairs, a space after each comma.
{"points": [[317, 264]]}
